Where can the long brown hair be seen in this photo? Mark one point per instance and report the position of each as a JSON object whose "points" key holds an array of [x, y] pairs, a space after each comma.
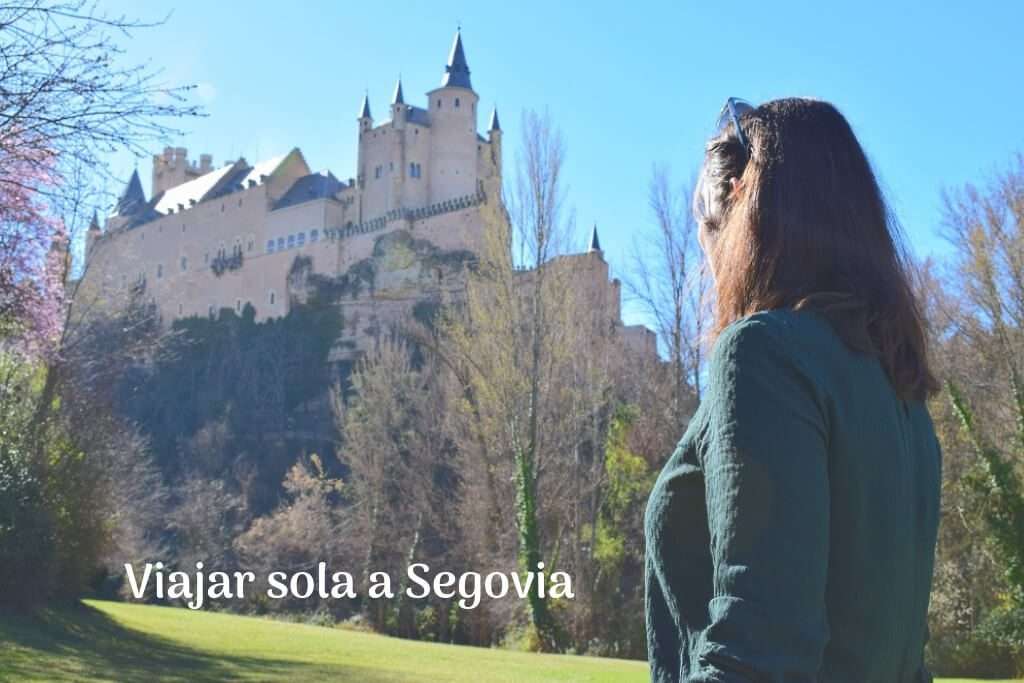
{"points": [[799, 222]]}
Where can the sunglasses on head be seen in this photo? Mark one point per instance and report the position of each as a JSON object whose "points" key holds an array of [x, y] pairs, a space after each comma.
{"points": [[730, 115], [731, 112]]}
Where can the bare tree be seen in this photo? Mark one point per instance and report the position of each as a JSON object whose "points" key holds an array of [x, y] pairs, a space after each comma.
{"points": [[306, 528], [513, 345], [672, 285], [65, 94], [393, 445], [974, 307]]}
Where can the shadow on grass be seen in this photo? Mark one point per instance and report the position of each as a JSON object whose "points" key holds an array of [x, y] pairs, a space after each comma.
{"points": [[82, 643]]}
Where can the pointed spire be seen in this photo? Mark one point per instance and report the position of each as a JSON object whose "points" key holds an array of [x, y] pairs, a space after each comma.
{"points": [[133, 197], [364, 111], [456, 73], [398, 98], [595, 244], [94, 224], [494, 125]]}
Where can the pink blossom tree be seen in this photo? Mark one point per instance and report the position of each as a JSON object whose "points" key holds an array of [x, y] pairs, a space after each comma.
{"points": [[33, 248]]}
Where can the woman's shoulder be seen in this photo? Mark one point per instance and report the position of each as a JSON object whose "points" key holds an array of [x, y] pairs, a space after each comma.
{"points": [[794, 331], [778, 341]]}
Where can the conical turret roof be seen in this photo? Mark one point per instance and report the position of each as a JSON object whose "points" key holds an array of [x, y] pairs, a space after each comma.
{"points": [[456, 73]]}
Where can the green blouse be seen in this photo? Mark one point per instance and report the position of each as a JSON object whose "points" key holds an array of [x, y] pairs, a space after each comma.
{"points": [[791, 535]]}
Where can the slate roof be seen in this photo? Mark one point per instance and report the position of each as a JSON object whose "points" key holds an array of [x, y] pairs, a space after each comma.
{"points": [[308, 188], [216, 183], [191, 192], [456, 73], [418, 116], [133, 199]]}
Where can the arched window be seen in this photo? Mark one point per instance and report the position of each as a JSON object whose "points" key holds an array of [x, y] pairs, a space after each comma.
{"points": [[280, 243], [314, 235], [291, 241], [272, 297], [270, 246], [184, 263], [301, 239], [456, 102], [159, 270]]}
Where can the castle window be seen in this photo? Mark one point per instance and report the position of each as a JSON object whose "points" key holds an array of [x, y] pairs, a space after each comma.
{"points": [[438, 102], [238, 305], [272, 297], [270, 246], [301, 239], [376, 172], [314, 235], [180, 309], [391, 166], [183, 228], [456, 102], [280, 243], [291, 241], [159, 270], [184, 263], [251, 244], [239, 202]]}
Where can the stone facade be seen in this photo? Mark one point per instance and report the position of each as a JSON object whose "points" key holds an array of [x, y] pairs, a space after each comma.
{"points": [[213, 238]]}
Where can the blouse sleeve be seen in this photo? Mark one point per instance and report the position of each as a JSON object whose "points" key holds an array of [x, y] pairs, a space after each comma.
{"points": [[766, 476]]}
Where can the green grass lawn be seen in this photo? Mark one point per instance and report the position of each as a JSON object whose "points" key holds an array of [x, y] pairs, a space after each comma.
{"points": [[120, 642]]}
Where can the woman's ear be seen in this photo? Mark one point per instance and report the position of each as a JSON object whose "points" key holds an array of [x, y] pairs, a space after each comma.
{"points": [[735, 184]]}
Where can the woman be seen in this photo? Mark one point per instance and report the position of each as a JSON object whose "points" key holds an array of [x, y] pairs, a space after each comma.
{"points": [[791, 535]]}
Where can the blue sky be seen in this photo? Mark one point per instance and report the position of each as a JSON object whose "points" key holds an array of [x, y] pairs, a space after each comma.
{"points": [[932, 89]]}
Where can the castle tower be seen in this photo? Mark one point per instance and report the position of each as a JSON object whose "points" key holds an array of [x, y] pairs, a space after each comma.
{"points": [[595, 244], [129, 205], [494, 137], [365, 126], [453, 168], [172, 168], [365, 117], [397, 166], [92, 234], [398, 107]]}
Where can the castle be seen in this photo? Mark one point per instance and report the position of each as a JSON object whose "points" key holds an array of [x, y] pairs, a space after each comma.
{"points": [[213, 238]]}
